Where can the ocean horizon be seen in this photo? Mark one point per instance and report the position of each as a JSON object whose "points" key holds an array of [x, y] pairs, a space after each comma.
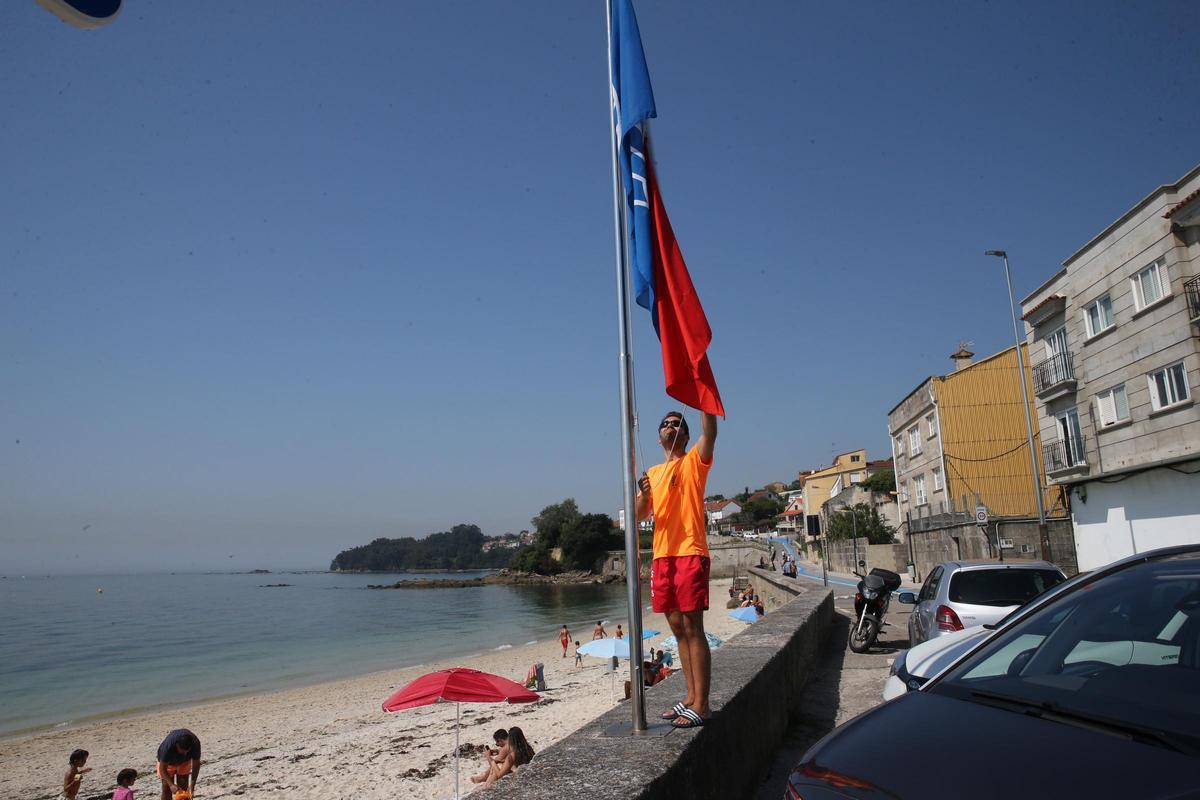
{"points": [[81, 647]]}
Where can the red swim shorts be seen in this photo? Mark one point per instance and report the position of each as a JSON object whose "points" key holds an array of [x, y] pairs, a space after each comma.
{"points": [[679, 583]]}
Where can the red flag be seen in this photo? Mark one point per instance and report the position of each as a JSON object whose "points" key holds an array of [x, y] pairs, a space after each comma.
{"points": [[682, 327]]}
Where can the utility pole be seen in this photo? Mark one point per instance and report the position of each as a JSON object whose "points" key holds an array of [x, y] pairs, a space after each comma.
{"points": [[1043, 532]]}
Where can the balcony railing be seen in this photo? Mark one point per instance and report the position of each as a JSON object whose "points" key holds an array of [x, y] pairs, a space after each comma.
{"points": [[1055, 372], [1060, 457], [1191, 288]]}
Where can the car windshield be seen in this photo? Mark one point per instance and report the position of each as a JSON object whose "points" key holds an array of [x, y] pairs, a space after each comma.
{"points": [[1121, 654], [1001, 587]]}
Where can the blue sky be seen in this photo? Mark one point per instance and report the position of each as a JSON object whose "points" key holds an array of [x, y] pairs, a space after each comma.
{"points": [[279, 278]]}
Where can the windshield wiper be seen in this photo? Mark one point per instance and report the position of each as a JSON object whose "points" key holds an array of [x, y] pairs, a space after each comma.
{"points": [[1067, 716]]}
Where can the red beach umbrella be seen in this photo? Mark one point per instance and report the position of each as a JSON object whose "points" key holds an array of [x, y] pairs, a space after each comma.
{"points": [[458, 685]]}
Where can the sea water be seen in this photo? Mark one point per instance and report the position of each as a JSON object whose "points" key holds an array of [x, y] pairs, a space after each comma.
{"points": [[69, 652]]}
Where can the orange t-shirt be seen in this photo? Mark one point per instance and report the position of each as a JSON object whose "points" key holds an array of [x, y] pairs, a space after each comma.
{"points": [[677, 497]]}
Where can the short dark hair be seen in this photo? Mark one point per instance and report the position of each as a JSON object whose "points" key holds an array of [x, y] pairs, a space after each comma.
{"points": [[78, 756], [500, 734], [127, 775], [185, 741], [682, 421]]}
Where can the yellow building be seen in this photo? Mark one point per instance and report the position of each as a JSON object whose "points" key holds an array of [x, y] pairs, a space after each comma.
{"points": [[960, 440], [851, 467]]}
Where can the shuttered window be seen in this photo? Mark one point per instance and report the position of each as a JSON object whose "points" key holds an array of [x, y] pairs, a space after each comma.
{"points": [[1098, 316], [1113, 406], [1151, 285]]}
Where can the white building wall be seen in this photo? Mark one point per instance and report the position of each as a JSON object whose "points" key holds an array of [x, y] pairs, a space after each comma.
{"points": [[1146, 511]]}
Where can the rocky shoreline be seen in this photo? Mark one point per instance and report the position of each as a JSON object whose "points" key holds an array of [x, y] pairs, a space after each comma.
{"points": [[503, 577]]}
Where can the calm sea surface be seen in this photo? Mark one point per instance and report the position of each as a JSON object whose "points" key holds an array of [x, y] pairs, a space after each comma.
{"points": [[68, 653]]}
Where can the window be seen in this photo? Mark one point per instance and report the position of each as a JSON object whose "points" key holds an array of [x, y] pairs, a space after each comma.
{"points": [[1071, 438], [1001, 587], [900, 445], [1099, 316], [904, 491], [855, 477], [937, 479], [931, 425], [1056, 343], [914, 440], [1151, 285], [855, 458], [922, 498], [1112, 406], [1168, 386]]}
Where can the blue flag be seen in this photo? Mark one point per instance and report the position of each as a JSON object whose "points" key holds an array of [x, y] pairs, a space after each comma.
{"points": [[633, 103]]}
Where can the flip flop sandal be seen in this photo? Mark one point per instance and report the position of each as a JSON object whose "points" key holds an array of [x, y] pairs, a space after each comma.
{"points": [[676, 711], [690, 720]]}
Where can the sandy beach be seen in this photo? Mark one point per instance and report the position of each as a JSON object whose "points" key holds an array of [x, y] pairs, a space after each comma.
{"points": [[331, 740]]}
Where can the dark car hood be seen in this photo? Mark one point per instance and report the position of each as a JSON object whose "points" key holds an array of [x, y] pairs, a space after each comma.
{"points": [[923, 746]]}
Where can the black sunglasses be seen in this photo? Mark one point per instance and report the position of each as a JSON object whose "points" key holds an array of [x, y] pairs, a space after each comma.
{"points": [[670, 423]]}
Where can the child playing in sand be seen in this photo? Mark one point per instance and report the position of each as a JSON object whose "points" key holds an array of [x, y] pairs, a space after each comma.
{"points": [[75, 772], [578, 656], [125, 779]]}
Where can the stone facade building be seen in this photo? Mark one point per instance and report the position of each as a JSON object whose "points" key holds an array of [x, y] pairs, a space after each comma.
{"points": [[1116, 366]]}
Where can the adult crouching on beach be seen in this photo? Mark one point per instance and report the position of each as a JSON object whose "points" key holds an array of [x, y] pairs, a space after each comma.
{"points": [[674, 493], [179, 762]]}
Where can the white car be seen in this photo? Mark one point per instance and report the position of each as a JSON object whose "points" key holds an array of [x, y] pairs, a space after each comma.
{"points": [[912, 668]]}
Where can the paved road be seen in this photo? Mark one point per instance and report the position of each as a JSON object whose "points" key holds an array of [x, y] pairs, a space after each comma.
{"points": [[845, 685]]}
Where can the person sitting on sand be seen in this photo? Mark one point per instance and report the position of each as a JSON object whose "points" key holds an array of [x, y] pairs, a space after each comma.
{"points": [[598, 632], [178, 762], [564, 638], [125, 779], [493, 756], [518, 753], [75, 772], [758, 606]]}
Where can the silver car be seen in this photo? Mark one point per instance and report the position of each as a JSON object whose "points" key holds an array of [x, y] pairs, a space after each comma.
{"points": [[962, 594]]}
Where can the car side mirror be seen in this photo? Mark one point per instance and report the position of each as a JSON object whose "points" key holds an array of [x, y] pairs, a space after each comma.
{"points": [[907, 598]]}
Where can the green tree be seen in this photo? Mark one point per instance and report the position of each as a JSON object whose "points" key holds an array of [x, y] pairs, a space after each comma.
{"points": [[796, 485], [553, 520], [863, 519], [586, 539], [882, 481], [712, 497], [759, 513]]}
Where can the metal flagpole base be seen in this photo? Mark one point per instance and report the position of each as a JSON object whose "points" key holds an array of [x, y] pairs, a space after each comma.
{"points": [[654, 729]]}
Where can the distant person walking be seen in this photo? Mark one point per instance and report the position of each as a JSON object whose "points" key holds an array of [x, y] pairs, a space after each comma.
{"points": [[620, 633], [178, 762], [598, 632], [674, 493], [564, 638]]}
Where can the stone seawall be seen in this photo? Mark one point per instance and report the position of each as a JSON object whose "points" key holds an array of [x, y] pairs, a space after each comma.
{"points": [[758, 678]]}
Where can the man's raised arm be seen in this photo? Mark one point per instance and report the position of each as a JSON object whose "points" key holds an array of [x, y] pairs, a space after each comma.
{"points": [[708, 437]]}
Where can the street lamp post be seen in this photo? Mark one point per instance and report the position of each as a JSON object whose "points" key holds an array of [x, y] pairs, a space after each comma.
{"points": [[1043, 533]]}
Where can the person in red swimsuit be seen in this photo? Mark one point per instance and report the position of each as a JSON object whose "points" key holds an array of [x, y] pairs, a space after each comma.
{"points": [[564, 638], [674, 493]]}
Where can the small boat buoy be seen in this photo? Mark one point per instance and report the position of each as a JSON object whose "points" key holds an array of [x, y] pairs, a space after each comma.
{"points": [[100, 590]]}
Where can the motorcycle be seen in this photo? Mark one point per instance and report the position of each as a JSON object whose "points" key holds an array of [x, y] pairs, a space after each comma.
{"points": [[871, 601]]}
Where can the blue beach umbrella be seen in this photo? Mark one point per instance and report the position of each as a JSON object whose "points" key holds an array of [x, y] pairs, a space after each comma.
{"points": [[606, 648], [650, 633], [670, 643], [747, 614]]}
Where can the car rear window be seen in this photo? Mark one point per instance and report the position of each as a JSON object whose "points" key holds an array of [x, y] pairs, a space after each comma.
{"points": [[1001, 587]]}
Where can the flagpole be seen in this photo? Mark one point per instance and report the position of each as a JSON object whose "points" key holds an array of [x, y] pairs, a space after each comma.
{"points": [[633, 564]]}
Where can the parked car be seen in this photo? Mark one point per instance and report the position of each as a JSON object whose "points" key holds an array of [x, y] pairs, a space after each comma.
{"points": [[1092, 690], [911, 669], [962, 594]]}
